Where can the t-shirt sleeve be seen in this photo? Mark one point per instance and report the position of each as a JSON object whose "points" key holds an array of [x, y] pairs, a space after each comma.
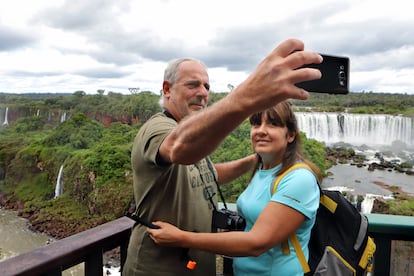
{"points": [[299, 190], [153, 136]]}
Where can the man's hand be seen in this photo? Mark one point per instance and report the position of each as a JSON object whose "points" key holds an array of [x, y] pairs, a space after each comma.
{"points": [[275, 77]]}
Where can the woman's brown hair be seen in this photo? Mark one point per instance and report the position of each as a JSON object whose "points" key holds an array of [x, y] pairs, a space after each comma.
{"points": [[283, 115]]}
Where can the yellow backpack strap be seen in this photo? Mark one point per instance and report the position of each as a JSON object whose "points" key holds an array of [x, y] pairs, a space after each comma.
{"points": [[328, 203], [285, 247], [294, 239], [301, 256], [279, 178]]}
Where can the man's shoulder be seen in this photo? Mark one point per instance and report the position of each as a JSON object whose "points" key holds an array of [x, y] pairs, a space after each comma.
{"points": [[159, 117], [155, 119], [156, 125]]}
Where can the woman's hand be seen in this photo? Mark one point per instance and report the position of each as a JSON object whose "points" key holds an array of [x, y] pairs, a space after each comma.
{"points": [[167, 234]]}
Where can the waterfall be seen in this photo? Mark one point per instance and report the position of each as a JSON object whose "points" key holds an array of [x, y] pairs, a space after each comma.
{"points": [[6, 121], [63, 117], [368, 203], [365, 207], [59, 183], [356, 129]]}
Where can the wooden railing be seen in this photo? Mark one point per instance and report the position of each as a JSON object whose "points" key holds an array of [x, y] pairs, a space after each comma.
{"points": [[89, 246]]}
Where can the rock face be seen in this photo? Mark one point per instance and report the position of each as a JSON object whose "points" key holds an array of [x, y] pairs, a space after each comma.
{"points": [[54, 226], [57, 116], [346, 155], [380, 206]]}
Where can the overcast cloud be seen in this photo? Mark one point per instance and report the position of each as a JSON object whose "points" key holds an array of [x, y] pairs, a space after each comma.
{"points": [[66, 46]]}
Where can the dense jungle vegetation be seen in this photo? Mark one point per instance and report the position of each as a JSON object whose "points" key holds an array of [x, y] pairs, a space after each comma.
{"points": [[93, 144]]}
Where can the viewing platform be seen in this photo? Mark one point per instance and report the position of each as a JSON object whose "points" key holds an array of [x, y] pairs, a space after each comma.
{"points": [[89, 246]]}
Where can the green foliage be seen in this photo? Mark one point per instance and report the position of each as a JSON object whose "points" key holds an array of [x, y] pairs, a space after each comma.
{"points": [[34, 189], [25, 124], [109, 163], [403, 206], [406, 165], [76, 133], [144, 105], [95, 158], [215, 97], [314, 151], [118, 133], [235, 146], [365, 102], [10, 144]]}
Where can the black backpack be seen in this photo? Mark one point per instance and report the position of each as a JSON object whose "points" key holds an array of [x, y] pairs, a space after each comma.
{"points": [[339, 243]]}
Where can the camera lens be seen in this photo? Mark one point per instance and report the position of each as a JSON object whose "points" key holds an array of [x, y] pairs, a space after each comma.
{"points": [[341, 75]]}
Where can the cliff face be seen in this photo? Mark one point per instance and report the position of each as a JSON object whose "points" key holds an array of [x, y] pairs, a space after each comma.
{"points": [[56, 116], [107, 120]]}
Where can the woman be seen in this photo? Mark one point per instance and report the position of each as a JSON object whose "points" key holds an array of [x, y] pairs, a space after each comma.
{"points": [[270, 218]]}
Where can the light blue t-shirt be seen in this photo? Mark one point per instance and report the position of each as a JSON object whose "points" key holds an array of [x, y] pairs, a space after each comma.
{"points": [[299, 190]]}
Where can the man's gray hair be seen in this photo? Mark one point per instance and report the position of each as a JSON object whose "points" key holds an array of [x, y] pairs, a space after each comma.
{"points": [[170, 73]]}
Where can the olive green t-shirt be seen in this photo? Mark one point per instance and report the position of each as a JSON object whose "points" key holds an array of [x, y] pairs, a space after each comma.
{"points": [[178, 194]]}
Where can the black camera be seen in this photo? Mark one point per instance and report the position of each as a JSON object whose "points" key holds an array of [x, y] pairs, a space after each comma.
{"points": [[227, 219]]}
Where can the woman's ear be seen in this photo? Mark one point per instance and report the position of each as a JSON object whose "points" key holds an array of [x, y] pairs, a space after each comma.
{"points": [[292, 136]]}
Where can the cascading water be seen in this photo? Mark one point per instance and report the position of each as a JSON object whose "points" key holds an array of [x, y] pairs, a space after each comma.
{"points": [[365, 205], [6, 120], [59, 183], [368, 203], [357, 129], [63, 117]]}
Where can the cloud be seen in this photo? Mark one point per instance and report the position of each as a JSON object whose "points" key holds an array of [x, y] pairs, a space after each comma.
{"points": [[13, 39], [105, 73], [127, 43], [85, 16]]}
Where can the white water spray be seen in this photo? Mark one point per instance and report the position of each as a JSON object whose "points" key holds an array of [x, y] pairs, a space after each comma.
{"points": [[6, 120], [63, 117], [356, 129], [59, 183], [367, 203]]}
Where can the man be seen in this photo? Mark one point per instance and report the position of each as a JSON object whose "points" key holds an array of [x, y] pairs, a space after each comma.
{"points": [[174, 179]]}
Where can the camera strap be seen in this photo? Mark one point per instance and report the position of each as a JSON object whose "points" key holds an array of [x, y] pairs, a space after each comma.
{"points": [[210, 167], [210, 196], [140, 220]]}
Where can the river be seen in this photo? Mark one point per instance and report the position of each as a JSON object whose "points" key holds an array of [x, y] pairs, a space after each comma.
{"points": [[362, 181], [16, 238]]}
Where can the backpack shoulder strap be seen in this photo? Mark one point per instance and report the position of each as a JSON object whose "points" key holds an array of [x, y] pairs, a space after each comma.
{"points": [[293, 238], [293, 167]]}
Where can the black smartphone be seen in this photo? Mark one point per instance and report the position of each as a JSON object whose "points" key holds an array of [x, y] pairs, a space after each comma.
{"points": [[335, 76]]}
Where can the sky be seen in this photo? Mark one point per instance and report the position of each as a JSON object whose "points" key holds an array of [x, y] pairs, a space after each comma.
{"points": [[77, 45]]}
